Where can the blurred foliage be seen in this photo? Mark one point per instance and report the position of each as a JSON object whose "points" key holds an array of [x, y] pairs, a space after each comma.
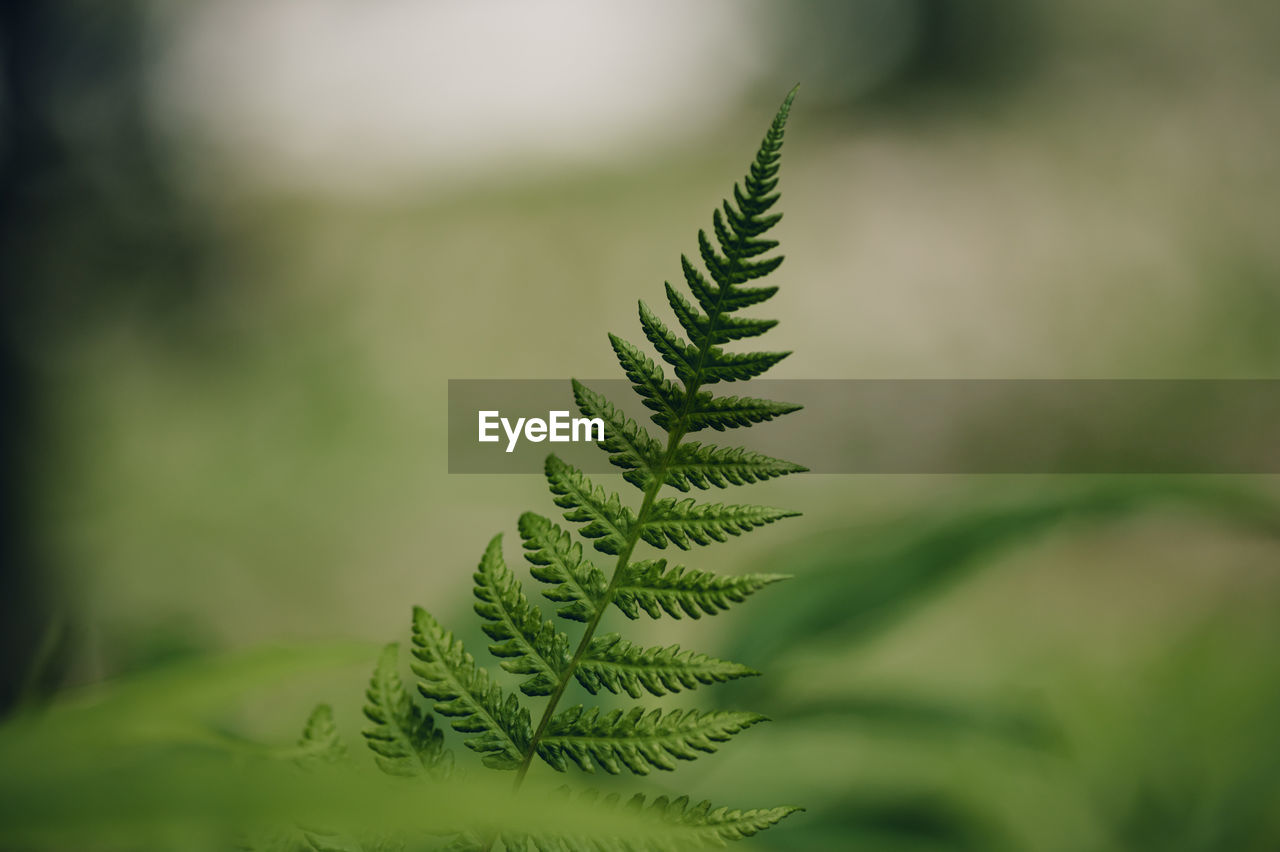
{"points": [[1074, 189], [1175, 750], [892, 52], [1171, 746], [861, 580], [141, 763]]}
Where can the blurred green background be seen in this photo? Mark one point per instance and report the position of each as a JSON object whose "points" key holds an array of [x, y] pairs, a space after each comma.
{"points": [[245, 244]]}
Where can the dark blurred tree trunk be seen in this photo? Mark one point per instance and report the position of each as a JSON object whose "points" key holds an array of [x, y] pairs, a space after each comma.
{"points": [[89, 228]]}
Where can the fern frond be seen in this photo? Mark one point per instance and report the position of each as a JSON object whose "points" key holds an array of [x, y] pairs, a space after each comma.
{"points": [[680, 825], [601, 514], [728, 412], [320, 742], [675, 351], [736, 252], [733, 269], [615, 664], [651, 587], [463, 692], [629, 446], [711, 826], [724, 366], [556, 558], [636, 740], [702, 466], [703, 363], [404, 740], [524, 641], [683, 522], [705, 333], [658, 393]]}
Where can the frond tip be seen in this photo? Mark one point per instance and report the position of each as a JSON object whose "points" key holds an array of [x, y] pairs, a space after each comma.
{"points": [[320, 742]]}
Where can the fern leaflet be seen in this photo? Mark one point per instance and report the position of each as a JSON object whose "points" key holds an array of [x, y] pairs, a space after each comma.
{"points": [[613, 663], [557, 559], [404, 740], [637, 740], [652, 587], [463, 691], [527, 644]]}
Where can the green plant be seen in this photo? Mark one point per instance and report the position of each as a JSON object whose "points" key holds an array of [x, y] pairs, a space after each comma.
{"points": [[404, 738]]}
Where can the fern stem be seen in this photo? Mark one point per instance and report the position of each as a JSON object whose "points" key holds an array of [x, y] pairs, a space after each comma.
{"points": [[624, 560], [659, 479]]}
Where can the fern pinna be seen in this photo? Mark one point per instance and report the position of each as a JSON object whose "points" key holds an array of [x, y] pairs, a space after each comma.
{"points": [[636, 740]]}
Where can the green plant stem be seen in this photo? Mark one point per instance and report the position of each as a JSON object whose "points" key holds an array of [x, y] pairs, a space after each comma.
{"points": [[659, 478], [624, 560]]}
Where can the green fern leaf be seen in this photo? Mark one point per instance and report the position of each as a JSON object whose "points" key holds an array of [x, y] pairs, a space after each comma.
{"points": [[703, 363], [682, 826], [629, 445], [737, 298], [602, 515], [703, 332], [320, 742], [708, 295], [463, 692], [676, 352], [636, 740], [404, 740], [658, 393], [650, 587], [524, 641], [727, 412], [736, 367], [615, 664], [711, 826], [702, 466], [727, 271], [556, 558], [683, 522]]}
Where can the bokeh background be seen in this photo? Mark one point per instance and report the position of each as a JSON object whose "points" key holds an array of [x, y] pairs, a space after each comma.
{"points": [[245, 244]]}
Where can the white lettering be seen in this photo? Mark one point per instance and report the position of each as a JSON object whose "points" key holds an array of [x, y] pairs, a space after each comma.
{"points": [[595, 424], [558, 428], [485, 425], [512, 434]]}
